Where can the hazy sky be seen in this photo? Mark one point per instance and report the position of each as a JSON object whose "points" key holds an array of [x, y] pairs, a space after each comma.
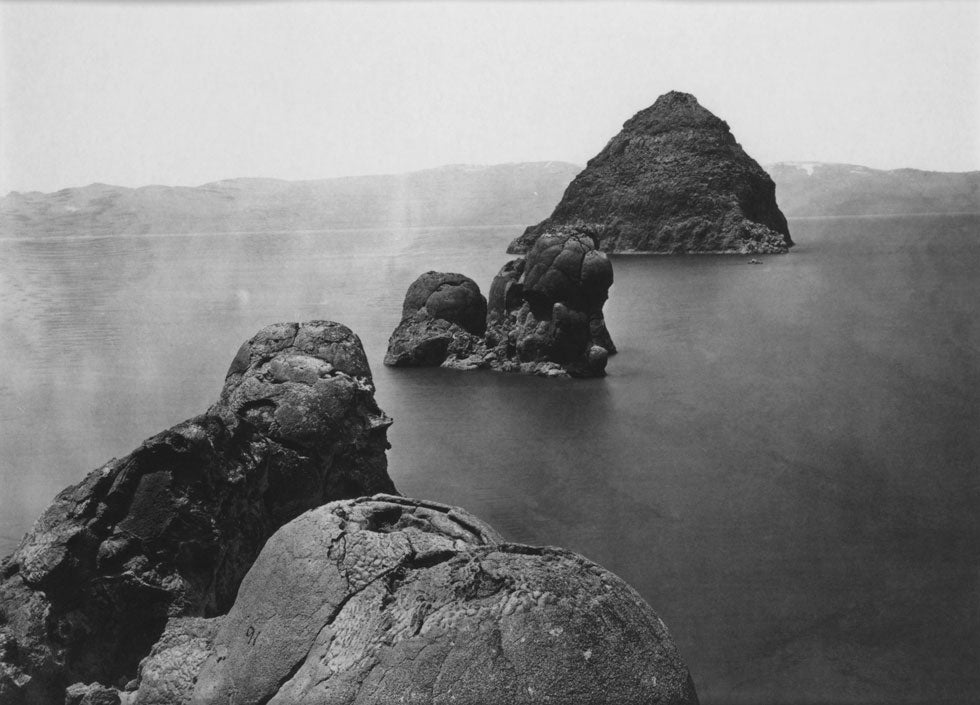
{"points": [[185, 93]]}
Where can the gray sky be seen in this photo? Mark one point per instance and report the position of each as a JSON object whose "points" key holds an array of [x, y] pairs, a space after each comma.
{"points": [[185, 93]]}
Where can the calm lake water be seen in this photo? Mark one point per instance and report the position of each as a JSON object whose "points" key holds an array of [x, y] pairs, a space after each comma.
{"points": [[783, 459]]}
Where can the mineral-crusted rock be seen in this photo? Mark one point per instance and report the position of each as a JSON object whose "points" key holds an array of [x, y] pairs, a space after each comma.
{"points": [[168, 675], [506, 291], [91, 694], [544, 316], [548, 308], [171, 529], [448, 296], [387, 599], [423, 341], [439, 307], [673, 181]]}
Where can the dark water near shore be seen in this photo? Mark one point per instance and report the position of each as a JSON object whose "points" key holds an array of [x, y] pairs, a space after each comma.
{"points": [[783, 459]]}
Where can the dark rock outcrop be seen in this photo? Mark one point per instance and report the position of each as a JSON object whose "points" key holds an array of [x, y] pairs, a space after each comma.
{"points": [[548, 307], [439, 307], [387, 599], [452, 297], [544, 315], [673, 181], [171, 529]]}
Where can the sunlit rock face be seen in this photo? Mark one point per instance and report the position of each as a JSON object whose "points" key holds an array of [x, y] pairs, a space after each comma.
{"points": [[171, 529], [387, 599], [673, 181]]}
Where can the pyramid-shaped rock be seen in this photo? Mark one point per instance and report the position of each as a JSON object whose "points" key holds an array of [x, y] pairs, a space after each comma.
{"points": [[674, 181]]}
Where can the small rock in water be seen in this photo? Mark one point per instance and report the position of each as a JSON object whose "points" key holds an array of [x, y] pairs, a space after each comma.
{"points": [[544, 315], [440, 309]]}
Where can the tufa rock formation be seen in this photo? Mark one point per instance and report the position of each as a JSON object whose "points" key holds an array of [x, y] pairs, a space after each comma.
{"points": [[544, 316], [438, 307], [451, 297], [168, 675], [548, 307], [387, 599], [145, 584], [170, 530], [674, 181]]}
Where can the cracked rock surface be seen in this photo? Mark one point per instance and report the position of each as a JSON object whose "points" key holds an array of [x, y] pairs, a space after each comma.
{"points": [[170, 530], [387, 599], [673, 181], [168, 674]]}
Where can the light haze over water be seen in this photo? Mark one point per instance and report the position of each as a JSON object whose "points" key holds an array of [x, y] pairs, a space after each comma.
{"points": [[185, 93], [783, 458]]}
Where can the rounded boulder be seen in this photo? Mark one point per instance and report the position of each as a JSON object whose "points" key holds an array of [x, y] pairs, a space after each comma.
{"points": [[388, 599], [448, 296]]}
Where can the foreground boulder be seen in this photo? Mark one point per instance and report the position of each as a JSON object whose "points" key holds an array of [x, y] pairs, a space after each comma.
{"points": [[387, 599], [544, 316], [171, 529], [673, 181]]}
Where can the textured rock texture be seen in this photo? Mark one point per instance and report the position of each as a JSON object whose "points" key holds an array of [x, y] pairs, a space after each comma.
{"points": [[452, 297], [544, 315], [91, 694], [168, 675], [171, 529], [548, 307], [439, 307], [387, 599], [673, 181]]}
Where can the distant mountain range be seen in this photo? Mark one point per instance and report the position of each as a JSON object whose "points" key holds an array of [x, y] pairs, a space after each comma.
{"points": [[816, 189], [458, 195]]}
